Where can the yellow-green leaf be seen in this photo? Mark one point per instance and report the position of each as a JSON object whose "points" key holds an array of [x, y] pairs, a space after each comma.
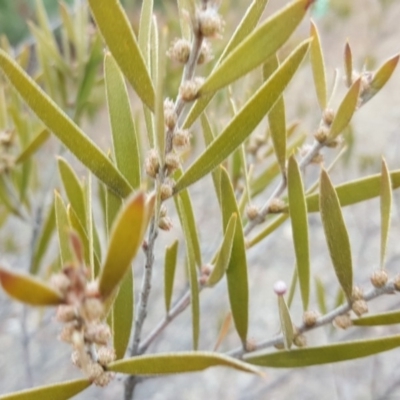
{"points": [[56, 391], [348, 64], [117, 32], [73, 189], [336, 234], [28, 289], [356, 191], [125, 239], [33, 146], [298, 217], [380, 77], [236, 273], [63, 127], [245, 27], [191, 272], [245, 121], [264, 41], [388, 318], [318, 67], [286, 323], [386, 208], [345, 111], [223, 256], [126, 149], [146, 14], [173, 363], [325, 354], [277, 118], [123, 315], [171, 255], [321, 298], [63, 228]]}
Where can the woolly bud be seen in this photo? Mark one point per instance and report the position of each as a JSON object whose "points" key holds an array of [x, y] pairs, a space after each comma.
{"points": [[322, 134], [92, 309], [65, 313], [92, 289], [360, 307], [251, 345], [94, 371], [210, 22], [300, 341], [104, 379], [60, 282], [189, 89], [170, 116], [310, 318], [152, 163], [105, 355], [181, 139], [280, 288], [179, 51], [327, 116], [76, 358], [172, 162], [276, 206], [165, 223], [342, 321], [67, 332], [396, 282], [166, 190], [334, 143], [252, 212], [357, 293], [205, 53], [379, 278], [98, 333]]}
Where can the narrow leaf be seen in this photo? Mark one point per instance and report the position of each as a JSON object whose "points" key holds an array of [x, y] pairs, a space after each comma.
{"points": [[33, 146], [126, 149], [236, 273], [146, 14], [245, 121], [125, 239], [386, 208], [123, 315], [171, 255], [245, 27], [223, 256], [63, 127], [380, 77], [348, 64], [28, 289], [286, 322], [192, 273], [277, 119], [345, 111], [57, 391], [321, 298], [63, 227], [173, 363], [389, 318], [336, 234], [356, 191], [257, 47], [318, 67], [298, 217], [223, 331], [325, 354], [73, 189], [120, 39]]}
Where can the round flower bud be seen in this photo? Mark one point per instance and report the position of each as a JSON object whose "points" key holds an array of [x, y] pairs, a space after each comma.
{"points": [[322, 134], [276, 206], [92, 309], [300, 341], [252, 212], [179, 51], [172, 162], [280, 288], [189, 89], [104, 379], [342, 321], [98, 333], [166, 191], [251, 345], [66, 313], [205, 53], [181, 139], [210, 22], [60, 282], [360, 307], [67, 332], [152, 163], [327, 116], [279, 346], [105, 355], [76, 358], [379, 278], [165, 223], [310, 318], [170, 116], [357, 293], [94, 371], [397, 282]]}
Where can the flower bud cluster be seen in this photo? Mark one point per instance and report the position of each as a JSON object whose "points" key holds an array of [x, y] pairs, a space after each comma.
{"points": [[210, 23], [83, 327], [189, 89]]}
